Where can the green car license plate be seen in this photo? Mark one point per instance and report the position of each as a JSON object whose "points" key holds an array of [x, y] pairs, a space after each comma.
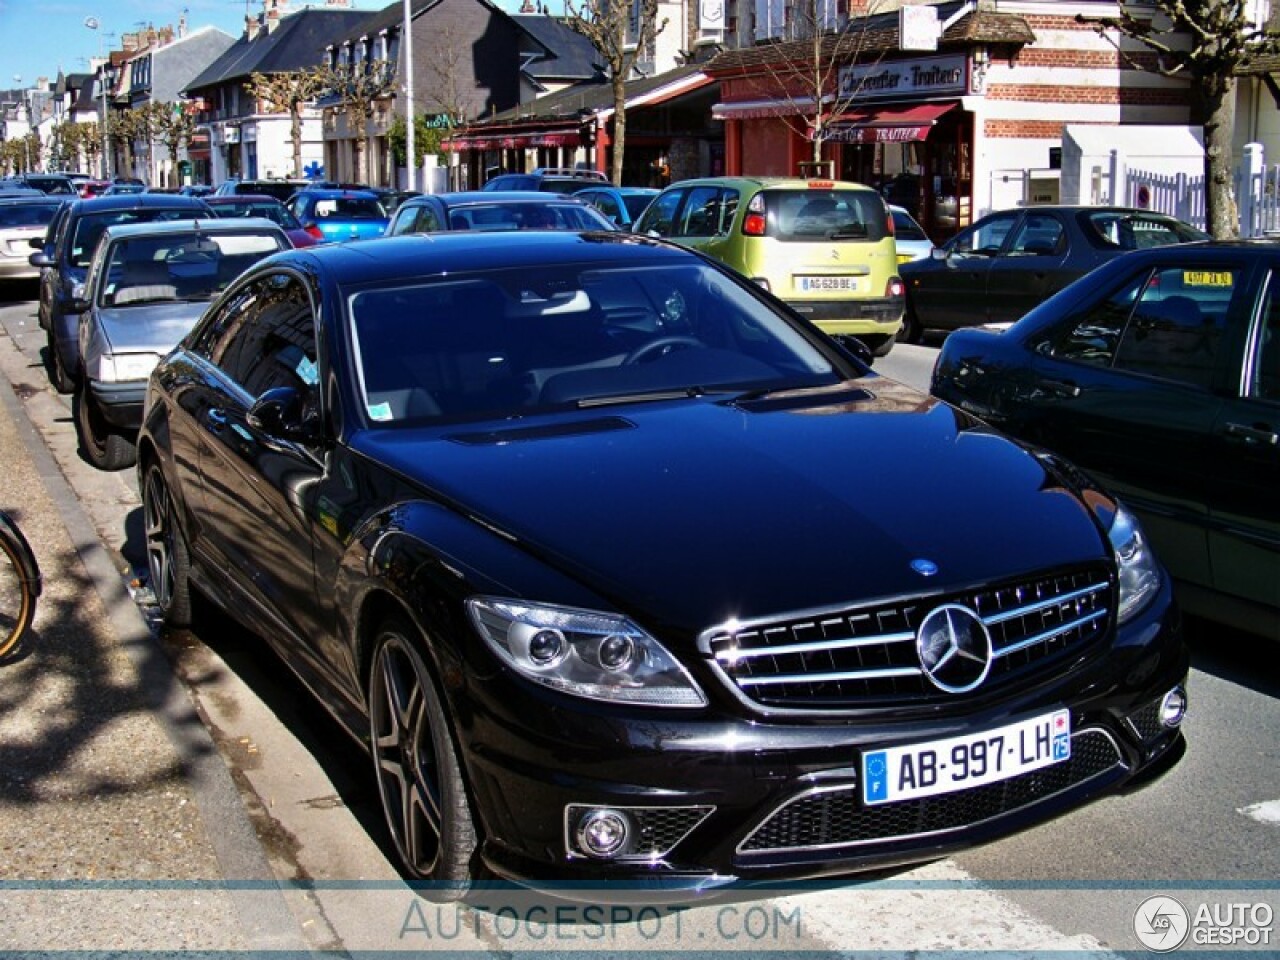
{"points": [[959, 763]]}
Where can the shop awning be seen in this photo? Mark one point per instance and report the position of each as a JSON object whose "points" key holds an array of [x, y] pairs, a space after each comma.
{"points": [[760, 109], [888, 124]]}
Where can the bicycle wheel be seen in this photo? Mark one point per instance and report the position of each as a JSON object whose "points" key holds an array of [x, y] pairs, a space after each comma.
{"points": [[19, 585]]}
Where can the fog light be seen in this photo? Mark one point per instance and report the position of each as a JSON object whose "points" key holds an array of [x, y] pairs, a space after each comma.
{"points": [[604, 833], [1173, 707]]}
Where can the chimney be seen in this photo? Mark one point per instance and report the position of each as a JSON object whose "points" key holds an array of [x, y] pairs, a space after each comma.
{"points": [[182, 25], [251, 27], [129, 42], [527, 7]]}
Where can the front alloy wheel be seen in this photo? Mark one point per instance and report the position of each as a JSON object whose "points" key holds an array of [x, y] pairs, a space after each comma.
{"points": [[167, 558], [419, 778]]}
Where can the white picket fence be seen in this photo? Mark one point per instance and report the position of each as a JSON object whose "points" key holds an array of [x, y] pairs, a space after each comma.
{"points": [[1257, 192]]}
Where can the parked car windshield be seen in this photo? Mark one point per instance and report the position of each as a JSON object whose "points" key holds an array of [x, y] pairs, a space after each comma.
{"points": [[506, 215], [504, 343], [348, 208], [32, 213], [89, 228], [275, 212], [180, 266], [808, 215], [1135, 231]]}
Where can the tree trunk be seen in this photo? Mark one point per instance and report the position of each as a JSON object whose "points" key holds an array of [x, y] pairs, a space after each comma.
{"points": [[1217, 107], [619, 125], [295, 131]]}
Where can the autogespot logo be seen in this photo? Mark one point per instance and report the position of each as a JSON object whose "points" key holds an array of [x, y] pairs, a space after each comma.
{"points": [[1161, 924]]}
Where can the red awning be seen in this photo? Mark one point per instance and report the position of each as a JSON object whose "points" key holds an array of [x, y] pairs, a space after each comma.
{"points": [[887, 125]]}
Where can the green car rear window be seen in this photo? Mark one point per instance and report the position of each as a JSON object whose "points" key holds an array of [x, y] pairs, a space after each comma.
{"points": [[809, 215]]}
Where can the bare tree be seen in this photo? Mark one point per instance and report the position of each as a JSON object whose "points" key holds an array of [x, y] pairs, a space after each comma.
{"points": [[174, 127], [810, 74], [289, 92], [622, 32], [1207, 42], [359, 86]]}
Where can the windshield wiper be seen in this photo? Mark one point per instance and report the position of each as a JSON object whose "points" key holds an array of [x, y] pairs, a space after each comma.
{"points": [[621, 398]]}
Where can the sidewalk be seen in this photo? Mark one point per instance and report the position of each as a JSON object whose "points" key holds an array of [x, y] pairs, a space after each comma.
{"points": [[119, 822]]}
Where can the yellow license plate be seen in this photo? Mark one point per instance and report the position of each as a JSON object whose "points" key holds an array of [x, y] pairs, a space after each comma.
{"points": [[1206, 278]]}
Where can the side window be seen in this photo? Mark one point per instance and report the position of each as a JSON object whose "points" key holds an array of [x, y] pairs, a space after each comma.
{"points": [[985, 238], [1265, 349], [1177, 325], [661, 214], [701, 217], [428, 220], [265, 337], [1040, 235], [1092, 336], [608, 206], [405, 221]]}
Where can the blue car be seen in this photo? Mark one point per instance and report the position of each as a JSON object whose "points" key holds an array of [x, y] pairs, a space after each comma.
{"points": [[336, 215], [622, 205]]}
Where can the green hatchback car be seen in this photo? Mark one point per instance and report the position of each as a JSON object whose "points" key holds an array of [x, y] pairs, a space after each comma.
{"points": [[824, 247]]}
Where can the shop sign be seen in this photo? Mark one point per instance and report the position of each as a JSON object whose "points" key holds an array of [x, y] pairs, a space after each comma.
{"points": [[904, 79]]}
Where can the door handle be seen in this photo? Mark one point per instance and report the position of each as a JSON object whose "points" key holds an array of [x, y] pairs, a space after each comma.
{"points": [[1062, 388], [216, 418], [1247, 434]]}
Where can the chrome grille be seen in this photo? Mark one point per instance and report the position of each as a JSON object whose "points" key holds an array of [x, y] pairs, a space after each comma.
{"points": [[836, 817], [864, 657]]}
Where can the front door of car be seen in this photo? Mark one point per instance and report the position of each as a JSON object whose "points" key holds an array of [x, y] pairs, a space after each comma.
{"points": [[257, 487], [704, 220], [1029, 269], [1132, 389], [1244, 486], [950, 290]]}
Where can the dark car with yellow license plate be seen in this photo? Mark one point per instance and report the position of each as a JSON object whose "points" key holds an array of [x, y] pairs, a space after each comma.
{"points": [[1009, 261], [1159, 374], [586, 539]]}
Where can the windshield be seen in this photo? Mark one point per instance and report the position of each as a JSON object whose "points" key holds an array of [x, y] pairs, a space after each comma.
{"points": [[636, 203], [503, 343], [1137, 231], [348, 208], [89, 228], [274, 212], [36, 214], [179, 266], [527, 216]]}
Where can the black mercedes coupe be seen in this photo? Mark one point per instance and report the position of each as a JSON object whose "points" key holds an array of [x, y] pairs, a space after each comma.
{"points": [[602, 553]]}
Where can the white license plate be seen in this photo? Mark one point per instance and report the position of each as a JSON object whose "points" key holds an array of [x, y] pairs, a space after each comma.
{"points": [[826, 284], [959, 763]]}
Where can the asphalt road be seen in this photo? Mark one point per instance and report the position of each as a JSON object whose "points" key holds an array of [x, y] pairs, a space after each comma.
{"points": [[1208, 833]]}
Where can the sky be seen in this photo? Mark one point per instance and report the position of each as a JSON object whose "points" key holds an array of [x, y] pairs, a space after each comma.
{"points": [[39, 36]]}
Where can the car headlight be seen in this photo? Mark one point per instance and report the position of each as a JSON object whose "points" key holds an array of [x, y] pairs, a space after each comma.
{"points": [[1137, 565], [600, 656], [122, 367]]}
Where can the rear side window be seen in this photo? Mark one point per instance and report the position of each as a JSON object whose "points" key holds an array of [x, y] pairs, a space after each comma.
{"points": [[1137, 231], [808, 215]]}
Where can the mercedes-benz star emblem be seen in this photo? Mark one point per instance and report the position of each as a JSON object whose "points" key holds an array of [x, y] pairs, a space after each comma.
{"points": [[954, 648]]}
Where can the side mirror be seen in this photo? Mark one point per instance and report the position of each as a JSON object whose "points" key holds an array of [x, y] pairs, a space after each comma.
{"points": [[40, 259], [78, 305], [938, 253], [855, 347], [281, 412], [36, 243]]}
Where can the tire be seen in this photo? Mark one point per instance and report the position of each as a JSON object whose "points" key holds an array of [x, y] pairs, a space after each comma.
{"points": [[911, 331], [103, 446], [168, 561], [419, 778], [883, 348], [17, 595], [62, 381]]}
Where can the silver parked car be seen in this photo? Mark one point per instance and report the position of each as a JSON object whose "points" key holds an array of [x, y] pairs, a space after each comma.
{"points": [[147, 285]]}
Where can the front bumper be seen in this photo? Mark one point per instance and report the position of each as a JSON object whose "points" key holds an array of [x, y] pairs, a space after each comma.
{"points": [[725, 799], [120, 403]]}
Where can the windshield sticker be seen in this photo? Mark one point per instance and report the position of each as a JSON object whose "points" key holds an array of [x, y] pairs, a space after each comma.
{"points": [[380, 411], [307, 372]]}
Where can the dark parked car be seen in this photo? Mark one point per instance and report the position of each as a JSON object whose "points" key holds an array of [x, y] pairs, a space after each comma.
{"points": [[282, 190], [548, 180], [1007, 262], [51, 183], [338, 215], [1158, 373], [592, 544], [495, 210], [63, 259], [250, 205]]}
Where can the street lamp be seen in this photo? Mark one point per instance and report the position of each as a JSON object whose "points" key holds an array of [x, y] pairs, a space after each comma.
{"points": [[106, 77]]}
